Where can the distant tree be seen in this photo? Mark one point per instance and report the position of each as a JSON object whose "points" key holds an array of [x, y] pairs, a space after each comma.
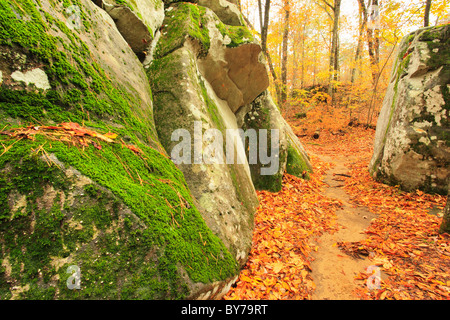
{"points": [[287, 11], [373, 44], [445, 226], [335, 7], [264, 13], [426, 19], [358, 53]]}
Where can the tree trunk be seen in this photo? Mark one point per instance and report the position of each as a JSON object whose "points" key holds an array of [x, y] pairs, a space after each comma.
{"points": [[445, 226], [362, 26], [371, 45], [295, 63], [334, 53], [265, 26], [261, 20], [376, 34], [426, 18], [336, 59], [264, 23], [274, 76], [284, 52], [372, 57], [315, 66], [302, 82]]}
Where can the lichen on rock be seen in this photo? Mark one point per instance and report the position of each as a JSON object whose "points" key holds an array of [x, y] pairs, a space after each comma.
{"points": [[412, 138]]}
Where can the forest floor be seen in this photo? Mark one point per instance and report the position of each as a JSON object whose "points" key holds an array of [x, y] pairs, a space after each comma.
{"points": [[341, 235]]}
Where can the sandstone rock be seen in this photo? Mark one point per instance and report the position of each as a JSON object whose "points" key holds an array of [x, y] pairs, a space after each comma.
{"points": [[227, 11], [412, 139], [263, 113], [297, 162], [224, 190], [119, 210], [126, 219], [138, 24], [263, 116], [238, 75]]}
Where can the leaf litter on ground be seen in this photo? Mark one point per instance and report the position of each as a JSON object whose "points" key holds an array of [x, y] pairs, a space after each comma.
{"points": [[403, 241], [285, 224]]}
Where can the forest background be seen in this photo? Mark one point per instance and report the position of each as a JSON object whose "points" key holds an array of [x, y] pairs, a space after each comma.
{"points": [[330, 63], [335, 52]]}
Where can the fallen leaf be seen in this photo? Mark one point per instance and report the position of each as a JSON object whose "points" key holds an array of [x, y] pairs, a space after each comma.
{"points": [[277, 267]]}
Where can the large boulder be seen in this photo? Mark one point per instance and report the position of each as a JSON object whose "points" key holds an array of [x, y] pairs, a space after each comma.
{"points": [[185, 100], [75, 199], [137, 22], [227, 11], [237, 75], [412, 141], [263, 115]]}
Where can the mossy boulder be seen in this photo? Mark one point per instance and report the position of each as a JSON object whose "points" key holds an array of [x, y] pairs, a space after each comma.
{"points": [[120, 211], [263, 115], [227, 11], [298, 162], [412, 145], [230, 61], [185, 100]]}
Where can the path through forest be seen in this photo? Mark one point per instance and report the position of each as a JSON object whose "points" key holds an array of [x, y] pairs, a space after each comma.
{"points": [[332, 271], [316, 238]]}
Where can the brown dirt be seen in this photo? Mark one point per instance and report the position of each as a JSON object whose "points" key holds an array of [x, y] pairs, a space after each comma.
{"points": [[333, 271]]}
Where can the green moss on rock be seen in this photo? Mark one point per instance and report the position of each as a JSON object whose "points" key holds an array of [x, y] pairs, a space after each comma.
{"points": [[151, 187], [420, 120], [260, 105], [295, 165], [81, 90], [185, 20], [238, 35]]}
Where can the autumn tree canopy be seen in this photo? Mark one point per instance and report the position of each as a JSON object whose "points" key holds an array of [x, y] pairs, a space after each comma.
{"points": [[335, 44]]}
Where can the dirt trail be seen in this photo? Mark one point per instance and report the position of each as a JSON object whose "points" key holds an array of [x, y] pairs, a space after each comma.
{"points": [[333, 271]]}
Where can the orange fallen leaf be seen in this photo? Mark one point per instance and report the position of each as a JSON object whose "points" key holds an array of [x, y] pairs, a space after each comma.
{"points": [[277, 267]]}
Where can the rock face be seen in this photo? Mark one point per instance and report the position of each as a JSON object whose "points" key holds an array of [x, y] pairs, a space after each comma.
{"points": [[412, 142], [263, 114], [236, 74], [227, 11], [138, 32], [99, 102]]}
